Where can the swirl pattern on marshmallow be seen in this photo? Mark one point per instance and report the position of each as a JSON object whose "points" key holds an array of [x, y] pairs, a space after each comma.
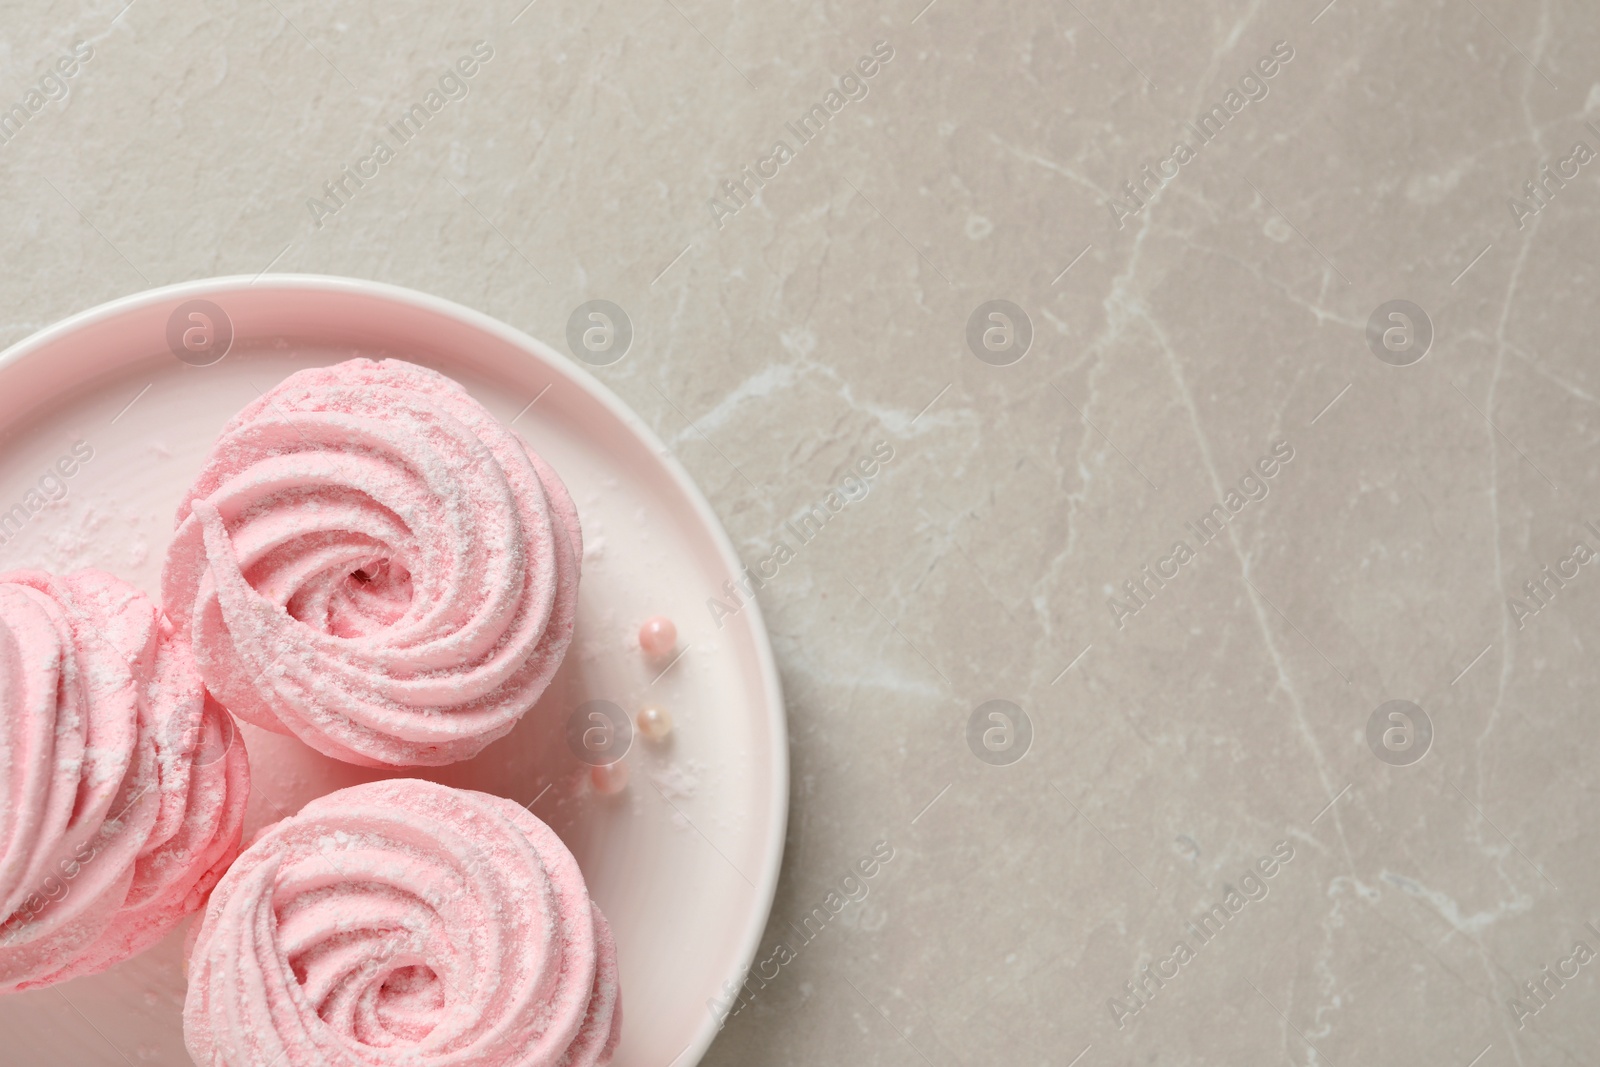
{"points": [[122, 786], [403, 922], [371, 562]]}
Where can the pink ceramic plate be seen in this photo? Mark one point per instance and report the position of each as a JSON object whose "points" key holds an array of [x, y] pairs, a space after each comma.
{"points": [[684, 861]]}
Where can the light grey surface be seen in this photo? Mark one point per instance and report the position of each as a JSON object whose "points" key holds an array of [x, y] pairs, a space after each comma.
{"points": [[774, 347]]}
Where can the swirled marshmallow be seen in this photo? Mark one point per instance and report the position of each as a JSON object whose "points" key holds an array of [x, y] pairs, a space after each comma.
{"points": [[122, 787], [403, 923], [371, 562]]}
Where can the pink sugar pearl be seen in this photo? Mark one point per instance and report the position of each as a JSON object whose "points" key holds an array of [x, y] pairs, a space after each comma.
{"points": [[658, 637], [610, 779]]}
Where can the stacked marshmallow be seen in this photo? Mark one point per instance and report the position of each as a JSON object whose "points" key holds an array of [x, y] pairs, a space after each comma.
{"points": [[371, 562], [403, 922], [122, 787]]}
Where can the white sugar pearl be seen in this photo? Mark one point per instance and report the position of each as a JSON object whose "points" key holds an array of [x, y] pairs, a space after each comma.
{"points": [[655, 723]]}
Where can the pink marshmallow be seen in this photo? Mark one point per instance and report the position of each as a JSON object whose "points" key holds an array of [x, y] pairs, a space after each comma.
{"points": [[114, 823], [403, 922], [371, 562]]}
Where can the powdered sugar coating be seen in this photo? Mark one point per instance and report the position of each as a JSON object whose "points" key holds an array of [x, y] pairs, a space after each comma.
{"points": [[403, 922], [116, 814], [371, 562]]}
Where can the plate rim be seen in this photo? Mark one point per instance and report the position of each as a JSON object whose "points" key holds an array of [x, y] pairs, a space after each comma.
{"points": [[766, 892]]}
